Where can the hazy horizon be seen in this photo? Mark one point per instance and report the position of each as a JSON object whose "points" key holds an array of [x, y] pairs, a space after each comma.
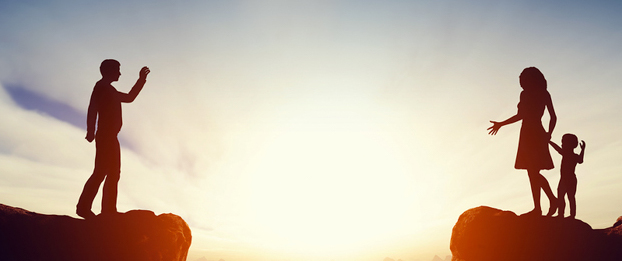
{"points": [[309, 130]]}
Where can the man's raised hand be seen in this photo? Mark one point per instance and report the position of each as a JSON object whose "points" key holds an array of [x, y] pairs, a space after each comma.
{"points": [[144, 72]]}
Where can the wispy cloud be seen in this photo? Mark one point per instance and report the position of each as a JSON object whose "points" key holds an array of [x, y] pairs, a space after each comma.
{"points": [[31, 100]]}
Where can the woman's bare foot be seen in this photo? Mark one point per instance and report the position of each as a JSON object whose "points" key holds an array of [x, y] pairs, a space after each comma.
{"points": [[85, 213], [534, 212]]}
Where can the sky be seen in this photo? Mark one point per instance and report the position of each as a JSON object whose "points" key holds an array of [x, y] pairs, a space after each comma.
{"points": [[309, 130]]}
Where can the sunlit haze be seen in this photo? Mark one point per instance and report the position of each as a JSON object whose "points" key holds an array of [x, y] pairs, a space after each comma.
{"points": [[309, 130]]}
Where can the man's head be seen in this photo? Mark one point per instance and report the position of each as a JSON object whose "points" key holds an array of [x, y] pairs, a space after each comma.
{"points": [[110, 69]]}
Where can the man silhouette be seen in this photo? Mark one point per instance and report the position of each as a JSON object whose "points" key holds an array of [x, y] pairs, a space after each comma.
{"points": [[105, 109]]}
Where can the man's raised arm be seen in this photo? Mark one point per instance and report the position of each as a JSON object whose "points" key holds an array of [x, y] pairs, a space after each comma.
{"points": [[129, 97]]}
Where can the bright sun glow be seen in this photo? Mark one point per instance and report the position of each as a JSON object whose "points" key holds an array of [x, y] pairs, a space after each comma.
{"points": [[333, 186], [308, 130]]}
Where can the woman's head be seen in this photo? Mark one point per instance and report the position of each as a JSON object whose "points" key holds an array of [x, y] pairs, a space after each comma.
{"points": [[532, 79]]}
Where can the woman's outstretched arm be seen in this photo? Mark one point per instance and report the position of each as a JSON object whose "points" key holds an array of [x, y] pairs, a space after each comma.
{"points": [[497, 125]]}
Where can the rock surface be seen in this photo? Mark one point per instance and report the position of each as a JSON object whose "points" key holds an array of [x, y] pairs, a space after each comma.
{"points": [[137, 235], [489, 234]]}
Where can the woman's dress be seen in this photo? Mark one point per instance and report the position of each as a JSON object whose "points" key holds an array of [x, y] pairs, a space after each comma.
{"points": [[533, 143]]}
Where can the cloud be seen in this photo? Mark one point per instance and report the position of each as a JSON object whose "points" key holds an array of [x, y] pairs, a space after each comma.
{"points": [[30, 100], [41, 159]]}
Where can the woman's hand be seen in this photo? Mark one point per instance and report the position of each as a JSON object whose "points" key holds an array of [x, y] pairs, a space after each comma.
{"points": [[495, 127]]}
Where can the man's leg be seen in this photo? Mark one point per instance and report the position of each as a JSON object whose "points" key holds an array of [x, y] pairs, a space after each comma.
{"points": [[110, 190], [85, 203]]}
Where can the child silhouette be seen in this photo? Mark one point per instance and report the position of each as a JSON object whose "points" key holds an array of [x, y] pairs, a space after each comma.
{"points": [[568, 182], [105, 108]]}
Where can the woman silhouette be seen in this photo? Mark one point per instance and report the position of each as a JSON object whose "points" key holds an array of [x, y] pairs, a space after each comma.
{"points": [[533, 151]]}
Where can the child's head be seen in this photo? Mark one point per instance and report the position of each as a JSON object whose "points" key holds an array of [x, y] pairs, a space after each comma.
{"points": [[569, 141], [532, 79], [110, 69]]}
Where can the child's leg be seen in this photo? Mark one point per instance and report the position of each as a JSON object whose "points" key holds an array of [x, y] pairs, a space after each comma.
{"points": [[561, 193], [110, 190], [572, 191]]}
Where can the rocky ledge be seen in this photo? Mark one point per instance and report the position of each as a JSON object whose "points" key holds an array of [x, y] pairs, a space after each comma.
{"points": [[489, 234], [137, 235]]}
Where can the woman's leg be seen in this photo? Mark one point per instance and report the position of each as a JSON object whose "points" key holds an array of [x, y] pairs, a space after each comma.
{"points": [[535, 191], [549, 193], [537, 181]]}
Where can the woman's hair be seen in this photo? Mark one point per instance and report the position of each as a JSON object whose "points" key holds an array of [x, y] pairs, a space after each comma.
{"points": [[532, 79]]}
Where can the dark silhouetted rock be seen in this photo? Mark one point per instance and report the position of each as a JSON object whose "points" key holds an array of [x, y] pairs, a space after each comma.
{"points": [[488, 234], [137, 235]]}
